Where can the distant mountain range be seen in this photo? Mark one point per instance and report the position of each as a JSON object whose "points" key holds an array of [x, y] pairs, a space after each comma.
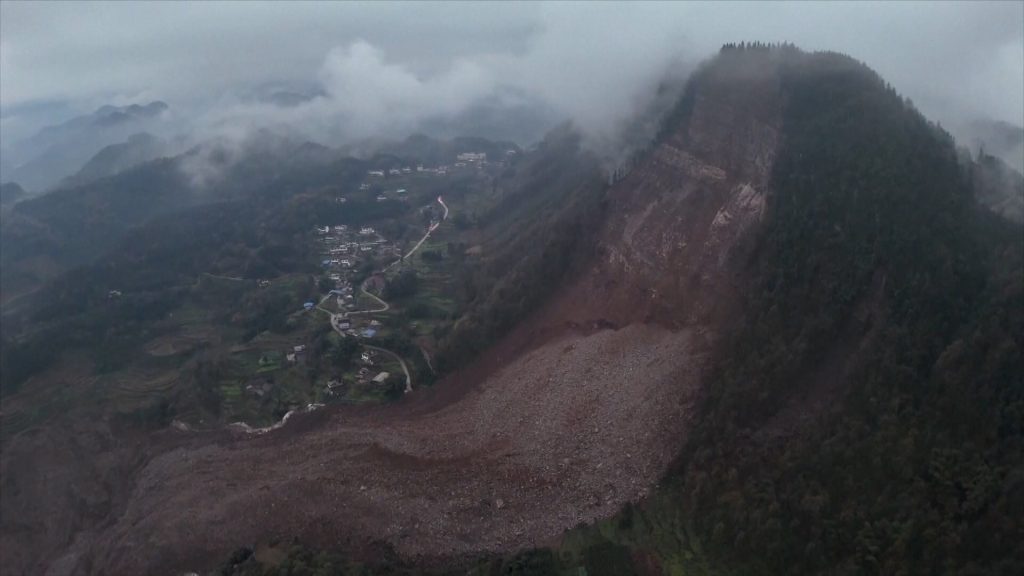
{"points": [[115, 158], [39, 162], [10, 193]]}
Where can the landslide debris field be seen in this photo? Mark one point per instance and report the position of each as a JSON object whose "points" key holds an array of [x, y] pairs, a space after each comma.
{"points": [[579, 409], [564, 434]]}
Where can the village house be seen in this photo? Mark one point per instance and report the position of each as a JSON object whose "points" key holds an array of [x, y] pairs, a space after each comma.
{"points": [[381, 378], [395, 172], [381, 198], [299, 348], [366, 231], [378, 173], [341, 199], [472, 157]]}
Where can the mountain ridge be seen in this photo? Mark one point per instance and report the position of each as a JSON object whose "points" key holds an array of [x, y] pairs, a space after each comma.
{"points": [[729, 345]]}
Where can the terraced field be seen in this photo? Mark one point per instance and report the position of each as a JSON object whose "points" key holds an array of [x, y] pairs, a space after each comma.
{"points": [[137, 388]]}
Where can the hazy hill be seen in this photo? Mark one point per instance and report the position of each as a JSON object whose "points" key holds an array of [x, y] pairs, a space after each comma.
{"points": [[998, 186], [49, 234], [1000, 139], [139, 148], [10, 193], [40, 161]]}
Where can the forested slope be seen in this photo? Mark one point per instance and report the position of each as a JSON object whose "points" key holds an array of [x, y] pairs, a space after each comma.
{"points": [[868, 415]]}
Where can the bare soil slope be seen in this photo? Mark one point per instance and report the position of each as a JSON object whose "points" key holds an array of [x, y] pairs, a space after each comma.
{"points": [[578, 410]]}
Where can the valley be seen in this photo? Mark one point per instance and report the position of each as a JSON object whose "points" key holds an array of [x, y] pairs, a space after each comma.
{"points": [[784, 335]]}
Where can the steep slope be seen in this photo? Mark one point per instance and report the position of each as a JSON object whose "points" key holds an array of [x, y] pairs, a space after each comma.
{"points": [[580, 408], [793, 294], [865, 416]]}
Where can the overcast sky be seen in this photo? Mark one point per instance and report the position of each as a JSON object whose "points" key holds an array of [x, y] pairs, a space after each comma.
{"points": [[392, 62]]}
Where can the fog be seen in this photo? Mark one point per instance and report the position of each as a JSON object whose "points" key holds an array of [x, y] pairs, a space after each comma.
{"points": [[367, 70]]}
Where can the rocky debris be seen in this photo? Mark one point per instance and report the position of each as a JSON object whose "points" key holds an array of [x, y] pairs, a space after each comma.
{"points": [[568, 433]]}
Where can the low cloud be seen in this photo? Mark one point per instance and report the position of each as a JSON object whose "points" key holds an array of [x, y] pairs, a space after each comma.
{"points": [[388, 69]]}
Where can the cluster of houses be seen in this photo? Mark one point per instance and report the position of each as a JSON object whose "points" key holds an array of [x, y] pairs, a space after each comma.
{"points": [[462, 160], [391, 172], [472, 157], [343, 250], [439, 170], [367, 373]]}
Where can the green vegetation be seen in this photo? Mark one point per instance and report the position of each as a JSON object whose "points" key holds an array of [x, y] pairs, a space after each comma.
{"points": [[403, 285], [534, 233]]}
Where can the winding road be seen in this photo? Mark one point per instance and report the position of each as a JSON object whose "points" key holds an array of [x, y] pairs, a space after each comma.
{"points": [[408, 379], [335, 318], [425, 236]]}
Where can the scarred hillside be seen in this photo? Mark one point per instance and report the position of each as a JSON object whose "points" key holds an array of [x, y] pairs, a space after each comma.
{"points": [[797, 243], [579, 409]]}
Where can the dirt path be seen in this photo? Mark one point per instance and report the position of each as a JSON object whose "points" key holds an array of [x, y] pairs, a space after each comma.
{"points": [[430, 230], [384, 305], [408, 378]]}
